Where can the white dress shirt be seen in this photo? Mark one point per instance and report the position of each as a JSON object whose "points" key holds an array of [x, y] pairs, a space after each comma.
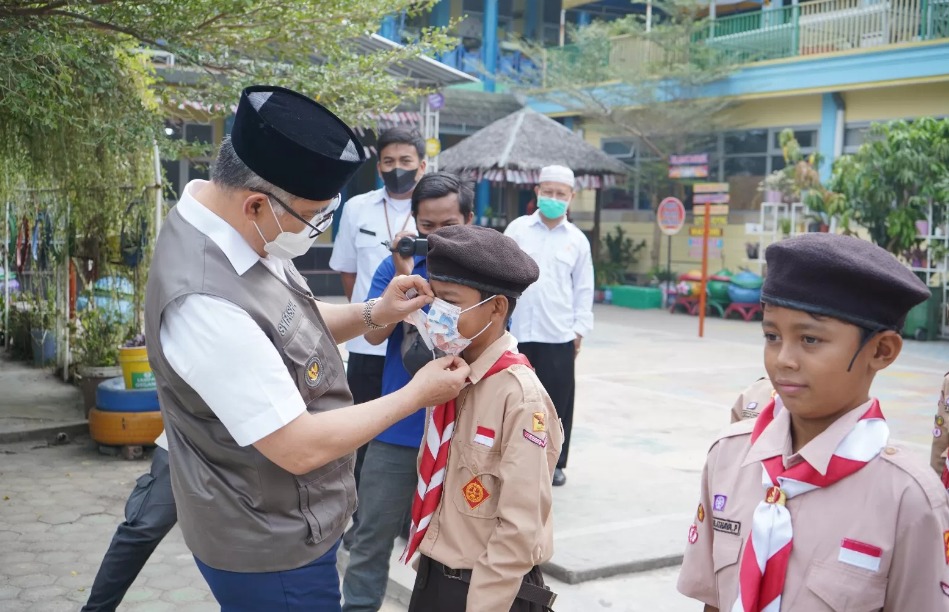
{"points": [[358, 246], [220, 351], [560, 304]]}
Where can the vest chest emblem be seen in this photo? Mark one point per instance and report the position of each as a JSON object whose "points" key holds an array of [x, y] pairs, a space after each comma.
{"points": [[314, 372]]}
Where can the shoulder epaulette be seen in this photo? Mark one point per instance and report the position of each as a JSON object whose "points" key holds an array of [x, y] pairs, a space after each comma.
{"points": [[921, 472]]}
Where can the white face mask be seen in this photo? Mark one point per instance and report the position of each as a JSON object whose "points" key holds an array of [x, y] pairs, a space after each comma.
{"points": [[442, 326], [287, 245]]}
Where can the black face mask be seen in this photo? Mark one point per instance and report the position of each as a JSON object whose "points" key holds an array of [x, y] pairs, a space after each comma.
{"points": [[399, 181], [414, 352]]}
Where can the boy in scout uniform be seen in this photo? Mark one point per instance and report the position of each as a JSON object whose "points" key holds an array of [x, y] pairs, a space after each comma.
{"points": [[941, 433], [483, 532], [808, 507]]}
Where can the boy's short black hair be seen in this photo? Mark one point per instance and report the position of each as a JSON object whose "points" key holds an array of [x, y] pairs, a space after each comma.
{"points": [[440, 184], [402, 135], [511, 303]]}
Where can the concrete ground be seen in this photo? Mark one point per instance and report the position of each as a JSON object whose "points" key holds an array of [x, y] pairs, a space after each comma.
{"points": [[651, 397]]}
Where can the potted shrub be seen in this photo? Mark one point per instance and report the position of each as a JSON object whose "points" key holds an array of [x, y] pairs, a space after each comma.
{"points": [[99, 331], [42, 317], [133, 358]]}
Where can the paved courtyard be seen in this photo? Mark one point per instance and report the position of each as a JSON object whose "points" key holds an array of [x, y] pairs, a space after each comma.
{"points": [[651, 397]]}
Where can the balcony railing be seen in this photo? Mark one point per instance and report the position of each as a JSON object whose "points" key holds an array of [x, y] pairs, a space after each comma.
{"points": [[810, 28], [826, 26]]}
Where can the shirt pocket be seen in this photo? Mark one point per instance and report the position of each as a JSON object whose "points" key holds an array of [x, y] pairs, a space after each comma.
{"points": [[478, 482], [831, 586], [327, 498], [726, 551], [313, 362], [566, 258], [367, 241]]}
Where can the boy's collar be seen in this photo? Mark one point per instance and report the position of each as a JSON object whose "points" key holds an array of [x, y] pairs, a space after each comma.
{"points": [[490, 356], [776, 440]]}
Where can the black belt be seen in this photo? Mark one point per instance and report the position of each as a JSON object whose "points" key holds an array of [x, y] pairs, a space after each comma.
{"points": [[541, 596]]}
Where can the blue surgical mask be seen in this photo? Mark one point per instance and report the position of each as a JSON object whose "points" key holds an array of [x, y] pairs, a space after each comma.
{"points": [[551, 208], [442, 326]]}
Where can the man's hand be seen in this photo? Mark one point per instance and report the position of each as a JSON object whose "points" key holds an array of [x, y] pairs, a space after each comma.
{"points": [[403, 265], [576, 345], [439, 381], [395, 302]]}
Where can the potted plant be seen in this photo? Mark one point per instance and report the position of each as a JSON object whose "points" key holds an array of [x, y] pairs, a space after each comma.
{"points": [[777, 187], [133, 358], [98, 333], [42, 318]]}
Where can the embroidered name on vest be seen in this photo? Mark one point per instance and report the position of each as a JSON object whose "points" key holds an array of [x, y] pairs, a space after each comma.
{"points": [[725, 526], [287, 319]]}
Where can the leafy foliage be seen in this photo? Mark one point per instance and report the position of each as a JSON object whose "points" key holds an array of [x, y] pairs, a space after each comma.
{"points": [[101, 331], [619, 255], [82, 104], [891, 180]]}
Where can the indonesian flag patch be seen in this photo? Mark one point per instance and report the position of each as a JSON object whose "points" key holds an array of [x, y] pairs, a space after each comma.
{"points": [[860, 555], [484, 437]]}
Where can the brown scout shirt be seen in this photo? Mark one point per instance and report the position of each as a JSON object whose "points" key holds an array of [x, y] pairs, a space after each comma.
{"points": [[941, 429], [893, 503], [752, 400], [502, 527]]}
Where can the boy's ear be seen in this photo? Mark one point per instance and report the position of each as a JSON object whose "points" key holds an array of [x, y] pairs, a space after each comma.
{"points": [[500, 306], [886, 348]]}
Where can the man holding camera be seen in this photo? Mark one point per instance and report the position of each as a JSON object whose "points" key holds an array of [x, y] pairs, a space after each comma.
{"points": [[389, 476], [367, 224]]}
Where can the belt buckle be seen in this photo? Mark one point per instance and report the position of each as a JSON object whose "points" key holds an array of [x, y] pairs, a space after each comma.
{"points": [[454, 574]]}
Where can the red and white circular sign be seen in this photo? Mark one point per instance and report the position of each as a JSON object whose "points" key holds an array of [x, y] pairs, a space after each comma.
{"points": [[670, 216]]}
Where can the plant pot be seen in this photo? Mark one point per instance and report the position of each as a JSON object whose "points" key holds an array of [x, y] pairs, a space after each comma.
{"points": [[135, 368], [90, 377], [44, 347]]}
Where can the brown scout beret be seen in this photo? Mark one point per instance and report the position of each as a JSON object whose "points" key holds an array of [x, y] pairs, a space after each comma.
{"points": [[480, 257], [841, 277]]}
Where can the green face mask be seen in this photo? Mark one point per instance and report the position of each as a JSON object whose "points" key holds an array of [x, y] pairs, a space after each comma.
{"points": [[551, 208]]}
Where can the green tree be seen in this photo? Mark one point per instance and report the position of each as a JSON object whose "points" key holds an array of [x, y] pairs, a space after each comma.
{"points": [[82, 104], [890, 182], [644, 81]]}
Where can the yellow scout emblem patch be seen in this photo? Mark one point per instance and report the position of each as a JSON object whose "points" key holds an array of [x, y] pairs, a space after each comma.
{"points": [[314, 372], [539, 424], [475, 493], [700, 513]]}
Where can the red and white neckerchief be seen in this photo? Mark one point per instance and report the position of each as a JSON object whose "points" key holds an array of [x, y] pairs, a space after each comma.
{"points": [[431, 471], [764, 562]]}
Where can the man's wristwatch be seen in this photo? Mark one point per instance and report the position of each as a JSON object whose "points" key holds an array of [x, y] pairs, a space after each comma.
{"points": [[367, 314]]}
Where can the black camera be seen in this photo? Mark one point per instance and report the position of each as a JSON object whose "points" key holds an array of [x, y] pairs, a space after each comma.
{"points": [[409, 246]]}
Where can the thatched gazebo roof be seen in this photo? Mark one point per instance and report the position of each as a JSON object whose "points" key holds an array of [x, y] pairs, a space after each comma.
{"points": [[514, 149]]}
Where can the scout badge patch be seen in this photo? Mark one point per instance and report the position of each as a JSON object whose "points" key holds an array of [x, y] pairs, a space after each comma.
{"points": [[484, 437], [693, 534], [860, 555], [475, 493], [541, 442], [314, 372], [538, 422]]}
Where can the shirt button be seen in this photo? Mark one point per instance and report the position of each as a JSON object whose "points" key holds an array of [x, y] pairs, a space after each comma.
{"points": [[890, 450]]}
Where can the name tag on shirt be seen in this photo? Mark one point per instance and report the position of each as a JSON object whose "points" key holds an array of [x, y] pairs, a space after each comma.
{"points": [[484, 437], [363, 230], [860, 555]]}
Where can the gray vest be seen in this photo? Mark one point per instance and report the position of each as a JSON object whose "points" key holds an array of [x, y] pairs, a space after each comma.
{"points": [[238, 511]]}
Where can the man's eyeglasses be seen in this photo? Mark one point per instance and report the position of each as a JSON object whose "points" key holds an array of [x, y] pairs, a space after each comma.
{"points": [[318, 224]]}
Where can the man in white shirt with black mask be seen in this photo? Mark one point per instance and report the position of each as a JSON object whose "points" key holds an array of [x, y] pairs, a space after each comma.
{"points": [[555, 313], [368, 223]]}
